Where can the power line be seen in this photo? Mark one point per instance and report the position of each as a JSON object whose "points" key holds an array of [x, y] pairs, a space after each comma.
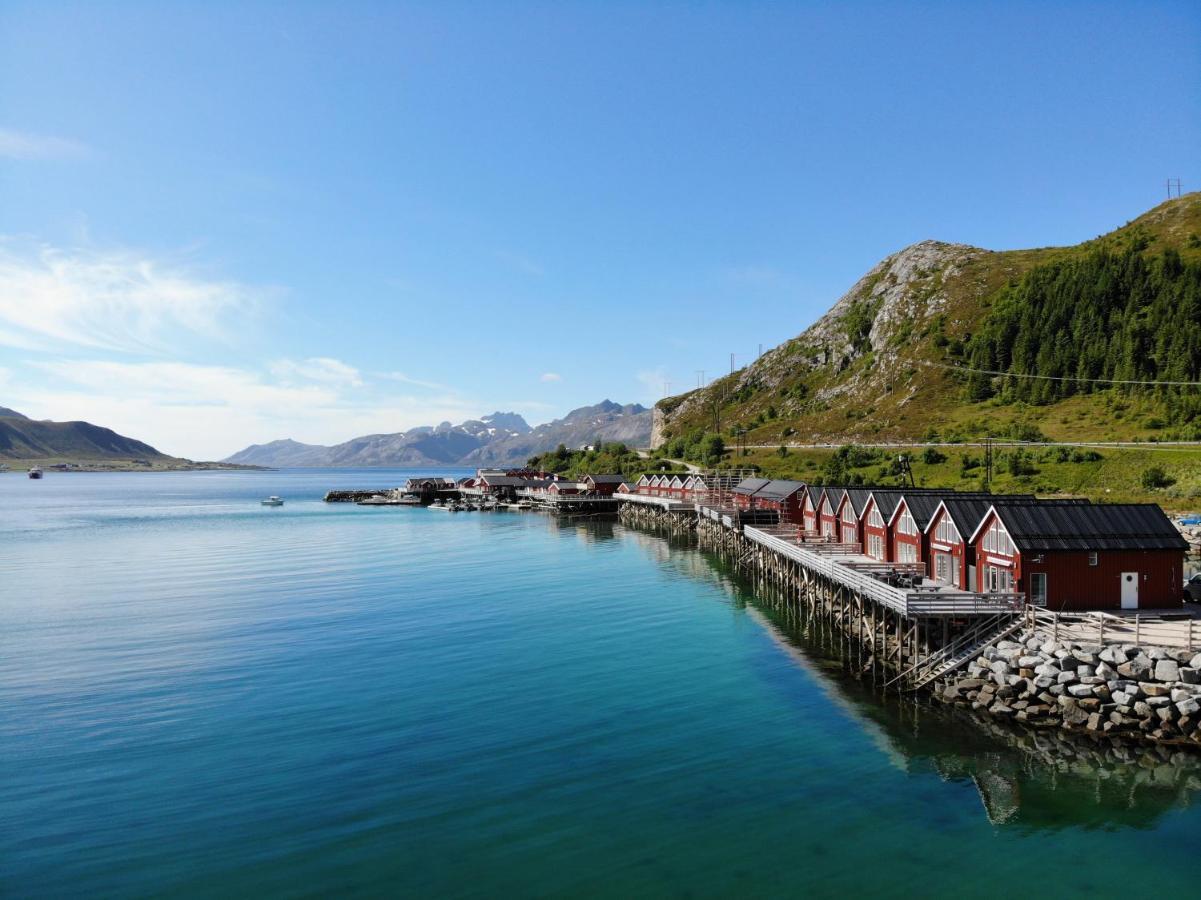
{"points": [[968, 369]]}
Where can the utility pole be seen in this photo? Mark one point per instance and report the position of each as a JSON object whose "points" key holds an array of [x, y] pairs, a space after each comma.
{"points": [[760, 351], [1173, 185], [700, 378], [666, 388], [988, 462], [731, 363]]}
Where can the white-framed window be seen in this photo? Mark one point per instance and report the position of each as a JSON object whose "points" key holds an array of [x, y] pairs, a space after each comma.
{"points": [[1038, 588], [875, 546], [827, 528], [946, 532], [1092, 561], [942, 567], [905, 523], [906, 553], [996, 540], [874, 517], [848, 514]]}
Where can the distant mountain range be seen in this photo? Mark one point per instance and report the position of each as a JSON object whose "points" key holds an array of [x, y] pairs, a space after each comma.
{"points": [[500, 439], [22, 438]]}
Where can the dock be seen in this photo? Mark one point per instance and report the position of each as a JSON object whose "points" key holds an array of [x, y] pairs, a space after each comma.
{"points": [[899, 623]]}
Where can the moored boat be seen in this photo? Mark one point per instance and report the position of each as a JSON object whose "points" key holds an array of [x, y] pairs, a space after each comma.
{"points": [[273, 501], [35, 472]]}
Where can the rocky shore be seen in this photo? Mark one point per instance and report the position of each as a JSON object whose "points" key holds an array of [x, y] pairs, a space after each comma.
{"points": [[1149, 693]]}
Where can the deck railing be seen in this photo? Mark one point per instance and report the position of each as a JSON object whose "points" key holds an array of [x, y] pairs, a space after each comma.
{"points": [[908, 602], [1107, 628]]}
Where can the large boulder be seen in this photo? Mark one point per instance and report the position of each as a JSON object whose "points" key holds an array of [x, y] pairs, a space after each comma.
{"points": [[1138, 668], [1190, 675], [1167, 670], [1188, 707], [1080, 690], [1151, 689]]}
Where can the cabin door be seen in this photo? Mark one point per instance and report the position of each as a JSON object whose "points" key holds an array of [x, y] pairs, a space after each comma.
{"points": [[1130, 590]]}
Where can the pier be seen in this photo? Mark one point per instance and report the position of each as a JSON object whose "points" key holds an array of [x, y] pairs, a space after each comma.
{"points": [[900, 626]]}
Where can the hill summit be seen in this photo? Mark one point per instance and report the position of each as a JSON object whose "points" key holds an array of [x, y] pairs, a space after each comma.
{"points": [[949, 341]]}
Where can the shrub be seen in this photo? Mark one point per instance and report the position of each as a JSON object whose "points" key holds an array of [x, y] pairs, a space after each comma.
{"points": [[931, 456], [1155, 478]]}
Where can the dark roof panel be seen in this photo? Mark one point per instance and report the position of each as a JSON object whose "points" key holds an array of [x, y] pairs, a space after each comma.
{"points": [[749, 485], [606, 479], [1084, 526], [779, 489]]}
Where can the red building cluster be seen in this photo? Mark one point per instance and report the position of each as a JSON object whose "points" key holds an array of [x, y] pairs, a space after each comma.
{"points": [[1062, 554]]}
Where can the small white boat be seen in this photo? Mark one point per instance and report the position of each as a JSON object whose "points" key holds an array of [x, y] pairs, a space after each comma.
{"points": [[273, 501], [35, 472]]}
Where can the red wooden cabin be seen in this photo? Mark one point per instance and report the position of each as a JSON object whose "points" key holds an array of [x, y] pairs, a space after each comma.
{"points": [[782, 496], [1081, 556]]}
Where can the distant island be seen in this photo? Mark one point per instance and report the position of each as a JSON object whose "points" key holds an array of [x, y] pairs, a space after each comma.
{"points": [[81, 447]]}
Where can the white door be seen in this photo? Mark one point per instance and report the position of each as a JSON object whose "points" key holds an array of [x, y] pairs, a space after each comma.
{"points": [[1130, 590]]}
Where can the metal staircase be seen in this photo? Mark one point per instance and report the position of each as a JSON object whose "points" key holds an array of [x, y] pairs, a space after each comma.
{"points": [[960, 651]]}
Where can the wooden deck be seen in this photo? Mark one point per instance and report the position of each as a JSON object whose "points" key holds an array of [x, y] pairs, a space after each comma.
{"points": [[860, 574]]}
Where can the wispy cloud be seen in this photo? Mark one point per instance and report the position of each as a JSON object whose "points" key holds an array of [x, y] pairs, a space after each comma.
{"points": [[415, 382], [119, 300], [24, 145], [521, 263], [550, 377], [321, 369]]}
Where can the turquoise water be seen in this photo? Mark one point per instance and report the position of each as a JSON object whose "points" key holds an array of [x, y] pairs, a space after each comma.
{"points": [[202, 696]]}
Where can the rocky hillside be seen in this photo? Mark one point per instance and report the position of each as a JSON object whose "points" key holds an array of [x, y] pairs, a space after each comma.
{"points": [[498, 439], [880, 364]]}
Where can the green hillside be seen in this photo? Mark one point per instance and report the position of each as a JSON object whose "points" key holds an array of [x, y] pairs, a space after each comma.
{"points": [[887, 362]]}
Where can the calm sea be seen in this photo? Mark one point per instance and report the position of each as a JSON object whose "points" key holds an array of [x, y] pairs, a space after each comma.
{"points": [[202, 696]]}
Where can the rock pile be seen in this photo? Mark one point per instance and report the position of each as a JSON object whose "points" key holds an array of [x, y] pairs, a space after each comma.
{"points": [[1122, 689]]}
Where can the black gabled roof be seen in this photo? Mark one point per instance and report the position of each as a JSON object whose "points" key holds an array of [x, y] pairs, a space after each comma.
{"points": [[966, 510], [749, 485], [1084, 526], [833, 491], [779, 489], [858, 497], [605, 479], [924, 503], [887, 500]]}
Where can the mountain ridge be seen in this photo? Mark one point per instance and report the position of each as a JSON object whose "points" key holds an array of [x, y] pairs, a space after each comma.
{"points": [[880, 364], [497, 439]]}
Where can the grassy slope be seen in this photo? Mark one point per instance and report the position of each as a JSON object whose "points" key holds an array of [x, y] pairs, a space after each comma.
{"points": [[914, 396]]}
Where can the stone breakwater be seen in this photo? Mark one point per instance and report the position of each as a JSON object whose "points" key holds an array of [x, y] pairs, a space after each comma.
{"points": [[1150, 693]]}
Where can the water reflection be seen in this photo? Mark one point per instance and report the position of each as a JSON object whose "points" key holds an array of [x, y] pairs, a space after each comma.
{"points": [[1026, 778]]}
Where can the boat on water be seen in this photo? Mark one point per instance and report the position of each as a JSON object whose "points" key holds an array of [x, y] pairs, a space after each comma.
{"points": [[273, 501], [35, 472]]}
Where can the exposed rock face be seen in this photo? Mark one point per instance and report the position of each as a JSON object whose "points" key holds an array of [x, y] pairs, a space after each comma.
{"points": [[657, 437], [903, 292], [1152, 693]]}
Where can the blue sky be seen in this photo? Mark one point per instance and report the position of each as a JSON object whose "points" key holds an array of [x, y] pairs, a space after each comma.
{"points": [[225, 223]]}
